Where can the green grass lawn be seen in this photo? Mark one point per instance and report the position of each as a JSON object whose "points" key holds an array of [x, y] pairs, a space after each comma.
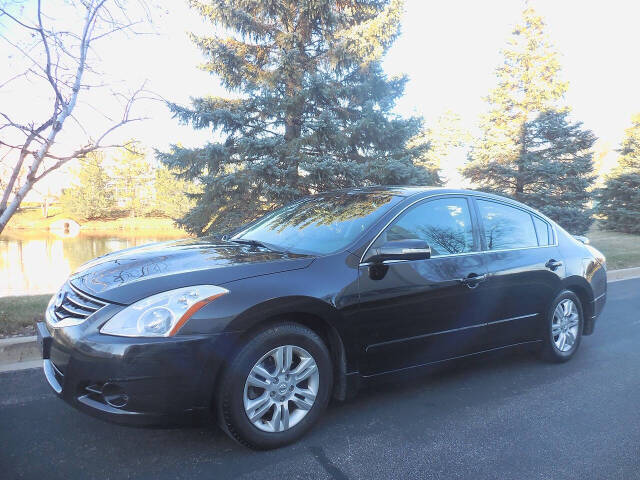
{"points": [[19, 314], [621, 249]]}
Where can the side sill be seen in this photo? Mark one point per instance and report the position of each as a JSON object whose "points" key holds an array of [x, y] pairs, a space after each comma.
{"points": [[437, 362], [444, 332]]}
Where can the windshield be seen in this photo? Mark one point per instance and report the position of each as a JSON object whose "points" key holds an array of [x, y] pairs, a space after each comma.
{"points": [[320, 224]]}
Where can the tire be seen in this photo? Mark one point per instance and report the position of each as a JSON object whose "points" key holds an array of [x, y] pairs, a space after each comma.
{"points": [[553, 348], [239, 396]]}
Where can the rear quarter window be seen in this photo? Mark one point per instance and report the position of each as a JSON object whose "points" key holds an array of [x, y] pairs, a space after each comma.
{"points": [[543, 230]]}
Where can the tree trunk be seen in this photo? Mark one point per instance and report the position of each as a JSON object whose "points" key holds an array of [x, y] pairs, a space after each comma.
{"points": [[293, 114], [38, 157], [16, 171], [14, 204], [292, 132], [520, 180]]}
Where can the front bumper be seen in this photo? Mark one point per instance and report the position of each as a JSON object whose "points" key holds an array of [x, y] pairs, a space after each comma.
{"points": [[134, 381]]}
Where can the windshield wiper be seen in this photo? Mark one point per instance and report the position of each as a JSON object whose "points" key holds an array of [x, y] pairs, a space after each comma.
{"points": [[255, 243]]}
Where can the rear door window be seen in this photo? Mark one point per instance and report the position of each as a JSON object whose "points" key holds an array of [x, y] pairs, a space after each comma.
{"points": [[506, 227]]}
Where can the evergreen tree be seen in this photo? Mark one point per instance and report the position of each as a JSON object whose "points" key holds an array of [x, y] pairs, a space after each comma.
{"points": [[174, 196], [557, 170], [310, 108], [522, 152], [92, 197], [133, 179], [619, 200]]}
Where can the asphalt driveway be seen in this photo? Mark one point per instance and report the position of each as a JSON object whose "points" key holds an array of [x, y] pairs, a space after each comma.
{"points": [[510, 416]]}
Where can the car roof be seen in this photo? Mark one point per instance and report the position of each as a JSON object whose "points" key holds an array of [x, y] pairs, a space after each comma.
{"points": [[422, 191], [399, 190], [410, 191]]}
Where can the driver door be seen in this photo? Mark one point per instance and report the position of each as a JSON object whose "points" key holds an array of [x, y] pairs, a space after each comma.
{"points": [[415, 312]]}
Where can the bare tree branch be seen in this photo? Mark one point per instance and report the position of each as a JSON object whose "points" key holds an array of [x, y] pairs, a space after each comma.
{"points": [[16, 76], [114, 30], [46, 48], [24, 151], [4, 12], [21, 50], [62, 63]]}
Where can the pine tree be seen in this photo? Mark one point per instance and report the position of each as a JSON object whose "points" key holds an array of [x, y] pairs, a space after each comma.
{"points": [[92, 197], [309, 110], [528, 83], [557, 170], [619, 199], [527, 146], [133, 178], [173, 196]]}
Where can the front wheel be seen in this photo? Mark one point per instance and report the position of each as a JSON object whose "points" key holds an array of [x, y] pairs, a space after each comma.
{"points": [[564, 325], [276, 387]]}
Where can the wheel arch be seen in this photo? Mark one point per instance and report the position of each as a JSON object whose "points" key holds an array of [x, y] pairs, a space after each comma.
{"points": [[583, 290], [320, 317]]}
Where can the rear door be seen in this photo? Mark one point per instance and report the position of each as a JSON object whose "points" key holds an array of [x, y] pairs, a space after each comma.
{"points": [[421, 311], [524, 271]]}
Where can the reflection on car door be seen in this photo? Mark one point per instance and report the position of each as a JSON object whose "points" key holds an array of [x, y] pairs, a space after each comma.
{"points": [[417, 312], [522, 276]]}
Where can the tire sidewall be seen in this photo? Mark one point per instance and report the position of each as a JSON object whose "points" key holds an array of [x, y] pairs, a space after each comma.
{"points": [[233, 413], [559, 355]]}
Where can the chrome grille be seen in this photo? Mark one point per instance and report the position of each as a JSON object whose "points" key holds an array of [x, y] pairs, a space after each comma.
{"points": [[70, 306]]}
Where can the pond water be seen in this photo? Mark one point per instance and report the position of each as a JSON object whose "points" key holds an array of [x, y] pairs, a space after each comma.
{"points": [[33, 263]]}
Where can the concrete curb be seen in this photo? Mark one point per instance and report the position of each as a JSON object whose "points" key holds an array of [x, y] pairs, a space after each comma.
{"points": [[18, 349], [20, 353], [11, 367], [623, 274]]}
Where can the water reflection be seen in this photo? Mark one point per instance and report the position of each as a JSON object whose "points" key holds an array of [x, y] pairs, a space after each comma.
{"points": [[38, 262]]}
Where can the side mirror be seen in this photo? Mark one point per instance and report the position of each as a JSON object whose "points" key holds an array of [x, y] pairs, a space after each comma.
{"points": [[400, 250]]}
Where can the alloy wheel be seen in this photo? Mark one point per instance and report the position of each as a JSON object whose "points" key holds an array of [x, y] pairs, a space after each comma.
{"points": [[564, 326], [281, 388]]}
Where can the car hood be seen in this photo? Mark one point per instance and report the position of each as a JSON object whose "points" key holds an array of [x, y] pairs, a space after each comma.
{"points": [[132, 274]]}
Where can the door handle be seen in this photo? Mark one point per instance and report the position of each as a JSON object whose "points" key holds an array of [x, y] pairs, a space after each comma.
{"points": [[472, 280], [553, 264]]}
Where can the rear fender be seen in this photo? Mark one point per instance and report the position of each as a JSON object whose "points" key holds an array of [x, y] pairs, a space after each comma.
{"points": [[584, 291]]}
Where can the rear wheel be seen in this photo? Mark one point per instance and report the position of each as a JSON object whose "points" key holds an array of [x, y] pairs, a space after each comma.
{"points": [[276, 387], [564, 325]]}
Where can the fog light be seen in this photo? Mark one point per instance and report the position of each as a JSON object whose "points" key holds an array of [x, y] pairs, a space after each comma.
{"points": [[114, 395]]}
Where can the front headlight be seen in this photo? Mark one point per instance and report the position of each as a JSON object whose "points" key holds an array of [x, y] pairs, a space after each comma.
{"points": [[163, 314]]}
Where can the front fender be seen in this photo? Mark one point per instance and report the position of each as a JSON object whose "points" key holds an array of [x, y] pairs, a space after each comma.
{"points": [[325, 292], [277, 307]]}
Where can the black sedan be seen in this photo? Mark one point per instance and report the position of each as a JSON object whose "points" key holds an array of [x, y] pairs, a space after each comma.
{"points": [[263, 327]]}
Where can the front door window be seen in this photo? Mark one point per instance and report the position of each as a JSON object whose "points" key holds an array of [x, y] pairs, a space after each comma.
{"points": [[445, 224]]}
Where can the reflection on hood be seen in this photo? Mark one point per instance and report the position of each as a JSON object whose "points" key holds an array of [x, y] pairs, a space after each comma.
{"points": [[167, 265]]}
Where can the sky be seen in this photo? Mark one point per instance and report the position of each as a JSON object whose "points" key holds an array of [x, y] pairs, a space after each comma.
{"points": [[459, 42], [448, 49]]}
